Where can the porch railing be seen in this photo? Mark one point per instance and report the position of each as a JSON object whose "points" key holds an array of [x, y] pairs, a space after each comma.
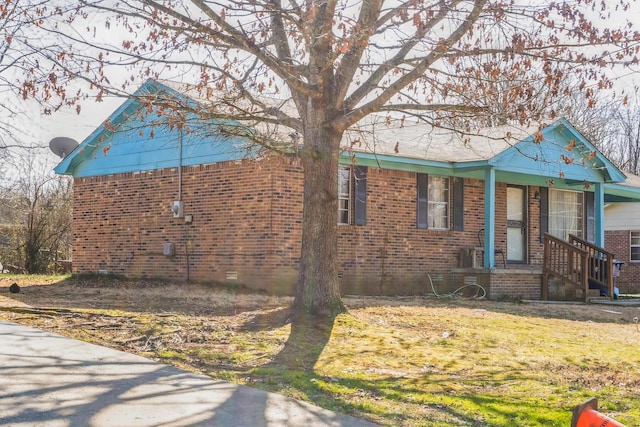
{"points": [[578, 264], [600, 264]]}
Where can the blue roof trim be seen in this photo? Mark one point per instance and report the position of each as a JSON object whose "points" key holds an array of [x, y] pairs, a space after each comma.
{"points": [[394, 162], [131, 143], [615, 193], [83, 151], [563, 153], [555, 158], [127, 145]]}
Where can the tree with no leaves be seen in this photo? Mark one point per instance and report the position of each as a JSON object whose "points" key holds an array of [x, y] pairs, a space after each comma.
{"points": [[11, 24], [342, 61], [25, 71], [37, 208]]}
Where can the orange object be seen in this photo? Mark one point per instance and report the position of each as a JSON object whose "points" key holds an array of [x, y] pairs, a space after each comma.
{"points": [[587, 415]]}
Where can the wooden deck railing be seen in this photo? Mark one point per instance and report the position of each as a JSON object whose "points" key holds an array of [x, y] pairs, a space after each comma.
{"points": [[576, 263], [600, 264], [565, 262]]}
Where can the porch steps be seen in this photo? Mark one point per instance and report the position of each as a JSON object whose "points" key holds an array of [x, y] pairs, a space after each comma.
{"points": [[575, 269]]}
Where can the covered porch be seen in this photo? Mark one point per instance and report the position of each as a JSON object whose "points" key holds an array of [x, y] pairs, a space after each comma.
{"points": [[510, 188], [571, 269]]}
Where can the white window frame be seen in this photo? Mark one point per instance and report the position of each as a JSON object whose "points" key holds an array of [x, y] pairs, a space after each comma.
{"points": [[560, 203], [634, 235], [438, 202], [344, 195]]}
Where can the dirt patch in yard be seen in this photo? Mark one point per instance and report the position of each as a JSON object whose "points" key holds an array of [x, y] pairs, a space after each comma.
{"points": [[162, 298], [141, 296], [414, 361], [158, 319], [151, 318]]}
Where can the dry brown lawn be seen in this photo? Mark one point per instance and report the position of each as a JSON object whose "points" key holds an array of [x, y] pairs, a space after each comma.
{"points": [[396, 361]]}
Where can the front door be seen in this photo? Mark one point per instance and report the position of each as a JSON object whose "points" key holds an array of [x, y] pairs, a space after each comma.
{"points": [[516, 224]]}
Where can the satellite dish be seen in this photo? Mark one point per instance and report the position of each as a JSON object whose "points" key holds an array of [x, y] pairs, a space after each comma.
{"points": [[62, 145]]}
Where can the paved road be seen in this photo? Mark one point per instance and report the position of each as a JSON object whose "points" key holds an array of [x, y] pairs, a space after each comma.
{"points": [[49, 381]]}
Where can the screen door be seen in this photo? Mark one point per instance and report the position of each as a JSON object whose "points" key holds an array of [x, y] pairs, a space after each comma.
{"points": [[516, 224]]}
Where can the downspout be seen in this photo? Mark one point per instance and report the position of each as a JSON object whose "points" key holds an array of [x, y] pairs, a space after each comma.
{"points": [[180, 166], [186, 233]]}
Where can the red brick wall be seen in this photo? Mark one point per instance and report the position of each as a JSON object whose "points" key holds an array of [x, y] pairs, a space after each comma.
{"points": [[390, 255], [618, 242], [520, 285], [536, 246], [246, 220]]}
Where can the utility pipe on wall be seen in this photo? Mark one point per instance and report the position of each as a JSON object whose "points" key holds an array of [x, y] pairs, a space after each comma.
{"points": [[180, 165]]}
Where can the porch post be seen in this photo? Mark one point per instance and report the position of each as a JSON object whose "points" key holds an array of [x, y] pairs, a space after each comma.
{"points": [[599, 213], [489, 217]]}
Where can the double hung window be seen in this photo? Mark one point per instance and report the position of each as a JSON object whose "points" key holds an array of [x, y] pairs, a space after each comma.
{"points": [[566, 212], [344, 194], [352, 195], [433, 202], [635, 246]]}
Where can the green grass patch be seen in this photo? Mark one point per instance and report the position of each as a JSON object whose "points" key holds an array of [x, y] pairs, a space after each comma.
{"points": [[397, 362]]}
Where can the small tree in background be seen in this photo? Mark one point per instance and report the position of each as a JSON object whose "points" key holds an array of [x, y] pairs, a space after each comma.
{"points": [[611, 124], [626, 147], [37, 208]]}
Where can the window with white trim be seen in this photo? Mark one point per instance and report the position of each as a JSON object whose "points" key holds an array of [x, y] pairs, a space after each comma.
{"points": [[566, 213], [352, 195], [344, 194], [635, 246], [433, 202]]}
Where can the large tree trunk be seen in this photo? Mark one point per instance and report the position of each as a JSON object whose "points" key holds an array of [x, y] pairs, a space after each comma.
{"points": [[317, 300], [318, 291]]}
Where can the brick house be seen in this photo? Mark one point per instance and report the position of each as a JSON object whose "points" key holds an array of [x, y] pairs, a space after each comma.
{"points": [[412, 201], [622, 237]]}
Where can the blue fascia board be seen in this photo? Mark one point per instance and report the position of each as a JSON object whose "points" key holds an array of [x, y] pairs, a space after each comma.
{"points": [[477, 170], [89, 145], [474, 166], [557, 172], [600, 161], [396, 162], [516, 173], [621, 193], [473, 169], [526, 158], [547, 157], [127, 145]]}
